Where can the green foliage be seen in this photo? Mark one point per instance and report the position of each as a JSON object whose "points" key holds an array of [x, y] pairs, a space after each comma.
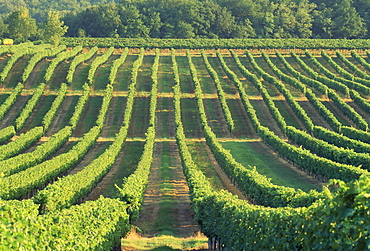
{"points": [[20, 25], [31, 104], [78, 60], [53, 29]]}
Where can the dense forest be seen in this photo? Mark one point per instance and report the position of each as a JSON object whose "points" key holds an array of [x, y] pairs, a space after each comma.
{"points": [[195, 18]]}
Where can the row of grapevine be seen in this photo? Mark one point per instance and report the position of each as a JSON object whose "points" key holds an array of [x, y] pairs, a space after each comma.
{"points": [[331, 79], [318, 147], [342, 72], [352, 66], [80, 106], [49, 116], [258, 186], [204, 43], [58, 59], [20, 143], [5, 106], [311, 96], [94, 225], [70, 189], [38, 57], [23, 161], [18, 53], [97, 62], [78, 60], [116, 64], [237, 225], [134, 186], [308, 161], [345, 108], [328, 115], [220, 93], [6, 133], [288, 96], [31, 104], [361, 60], [327, 150]]}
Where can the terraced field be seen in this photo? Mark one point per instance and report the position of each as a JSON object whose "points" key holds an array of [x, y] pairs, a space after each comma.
{"points": [[271, 128]]}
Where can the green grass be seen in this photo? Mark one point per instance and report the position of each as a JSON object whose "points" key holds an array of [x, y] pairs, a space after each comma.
{"points": [[80, 74], [15, 74], [206, 81], [201, 159], [3, 97], [43, 107], [190, 118], [185, 77], [165, 75], [289, 119], [123, 76], [255, 154], [227, 85], [118, 115], [127, 161], [140, 117], [102, 74], [144, 80], [166, 243], [68, 114], [212, 109], [90, 114], [163, 117], [165, 222]]}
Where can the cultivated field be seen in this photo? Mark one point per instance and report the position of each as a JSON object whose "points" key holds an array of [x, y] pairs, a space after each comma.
{"points": [[271, 127]]}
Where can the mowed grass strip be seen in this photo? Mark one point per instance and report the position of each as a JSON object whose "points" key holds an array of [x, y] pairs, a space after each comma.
{"points": [[267, 163], [102, 74], [15, 74], [89, 115], [127, 161], [190, 118], [165, 118], [200, 155], [140, 117], [227, 85], [80, 74], [38, 114], [123, 76], [144, 80], [165, 75], [184, 74], [243, 125], [206, 81]]}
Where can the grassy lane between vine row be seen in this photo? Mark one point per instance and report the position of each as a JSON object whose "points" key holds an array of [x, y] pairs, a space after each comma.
{"points": [[166, 220], [102, 74], [14, 111], [165, 75], [268, 163], [15, 75], [123, 76], [80, 74]]}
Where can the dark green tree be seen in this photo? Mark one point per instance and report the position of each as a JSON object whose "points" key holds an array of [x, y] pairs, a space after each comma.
{"points": [[53, 28], [20, 25], [3, 28]]}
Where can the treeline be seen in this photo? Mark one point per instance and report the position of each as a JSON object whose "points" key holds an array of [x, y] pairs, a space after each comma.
{"points": [[209, 18]]}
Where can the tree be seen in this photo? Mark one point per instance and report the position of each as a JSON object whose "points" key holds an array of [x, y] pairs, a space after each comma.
{"points": [[53, 29], [347, 21], [20, 25], [3, 28]]}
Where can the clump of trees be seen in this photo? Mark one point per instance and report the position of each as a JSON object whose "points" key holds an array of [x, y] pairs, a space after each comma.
{"points": [[188, 19], [20, 26]]}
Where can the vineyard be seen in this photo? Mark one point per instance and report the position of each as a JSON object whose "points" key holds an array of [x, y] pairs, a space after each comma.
{"points": [[258, 149]]}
